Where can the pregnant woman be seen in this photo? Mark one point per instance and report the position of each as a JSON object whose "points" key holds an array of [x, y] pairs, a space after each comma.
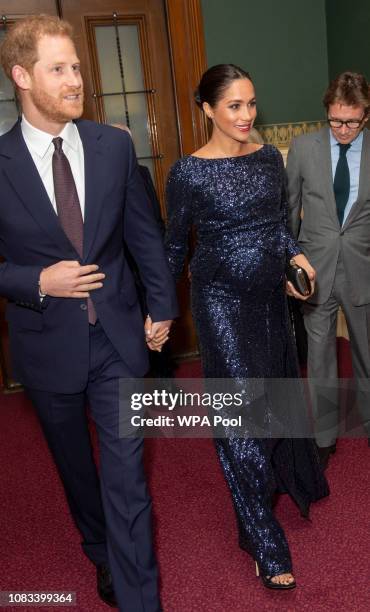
{"points": [[232, 191]]}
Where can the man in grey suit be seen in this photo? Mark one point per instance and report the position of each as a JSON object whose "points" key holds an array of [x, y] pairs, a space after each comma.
{"points": [[329, 199]]}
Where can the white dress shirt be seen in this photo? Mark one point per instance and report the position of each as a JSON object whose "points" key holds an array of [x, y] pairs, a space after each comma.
{"points": [[41, 148]]}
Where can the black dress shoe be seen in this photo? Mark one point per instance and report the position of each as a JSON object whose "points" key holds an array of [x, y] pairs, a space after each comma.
{"points": [[324, 454], [104, 585]]}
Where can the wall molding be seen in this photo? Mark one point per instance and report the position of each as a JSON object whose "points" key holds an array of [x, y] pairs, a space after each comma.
{"points": [[281, 134]]}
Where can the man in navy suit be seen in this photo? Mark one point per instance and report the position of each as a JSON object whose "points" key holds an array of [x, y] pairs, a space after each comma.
{"points": [[70, 191]]}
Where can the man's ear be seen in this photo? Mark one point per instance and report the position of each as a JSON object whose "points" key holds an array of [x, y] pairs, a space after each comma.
{"points": [[21, 77]]}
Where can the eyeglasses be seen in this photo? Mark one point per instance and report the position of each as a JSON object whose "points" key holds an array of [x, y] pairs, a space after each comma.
{"points": [[352, 124]]}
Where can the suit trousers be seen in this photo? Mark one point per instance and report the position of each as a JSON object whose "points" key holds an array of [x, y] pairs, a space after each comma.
{"points": [[113, 512], [322, 368]]}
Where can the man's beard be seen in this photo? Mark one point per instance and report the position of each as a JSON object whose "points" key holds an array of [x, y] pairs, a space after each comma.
{"points": [[57, 109]]}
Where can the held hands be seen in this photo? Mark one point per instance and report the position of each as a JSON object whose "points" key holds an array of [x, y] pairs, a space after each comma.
{"points": [[302, 262], [69, 279], [156, 334]]}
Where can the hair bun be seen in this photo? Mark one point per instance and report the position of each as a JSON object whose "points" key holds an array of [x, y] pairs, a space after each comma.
{"points": [[197, 97]]}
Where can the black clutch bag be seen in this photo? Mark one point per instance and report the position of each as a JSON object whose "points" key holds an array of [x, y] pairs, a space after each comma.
{"points": [[298, 277]]}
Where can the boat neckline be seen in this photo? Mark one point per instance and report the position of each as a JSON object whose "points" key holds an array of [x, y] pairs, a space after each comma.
{"points": [[231, 157]]}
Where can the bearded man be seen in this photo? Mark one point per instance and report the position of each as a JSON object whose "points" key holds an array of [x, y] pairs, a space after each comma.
{"points": [[71, 195]]}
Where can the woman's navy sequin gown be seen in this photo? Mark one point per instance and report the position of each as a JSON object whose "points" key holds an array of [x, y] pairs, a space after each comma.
{"points": [[239, 306]]}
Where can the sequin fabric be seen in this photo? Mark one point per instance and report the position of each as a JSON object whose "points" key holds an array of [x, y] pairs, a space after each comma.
{"points": [[238, 208]]}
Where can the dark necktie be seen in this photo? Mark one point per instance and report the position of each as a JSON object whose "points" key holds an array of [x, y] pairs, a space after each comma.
{"points": [[68, 207], [342, 181]]}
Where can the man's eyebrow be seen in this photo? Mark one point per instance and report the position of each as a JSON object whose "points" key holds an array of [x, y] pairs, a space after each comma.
{"points": [[62, 63], [350, 118]]}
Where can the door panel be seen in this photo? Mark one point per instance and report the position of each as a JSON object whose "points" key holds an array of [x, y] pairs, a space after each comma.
{"points": [[14, 9]]}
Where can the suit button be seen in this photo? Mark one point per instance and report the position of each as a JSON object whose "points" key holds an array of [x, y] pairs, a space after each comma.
{"points": [[83, 306]]}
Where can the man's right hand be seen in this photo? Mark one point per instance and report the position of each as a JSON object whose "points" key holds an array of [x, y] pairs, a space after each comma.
{"points": [[68, 279]]}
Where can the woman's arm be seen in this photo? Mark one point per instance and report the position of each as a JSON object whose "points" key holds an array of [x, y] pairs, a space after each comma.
{"points": [[178, 201]]}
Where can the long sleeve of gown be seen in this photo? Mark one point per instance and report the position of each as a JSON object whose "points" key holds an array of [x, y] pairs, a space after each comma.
{"points": [[291, 245], [178, 200]]}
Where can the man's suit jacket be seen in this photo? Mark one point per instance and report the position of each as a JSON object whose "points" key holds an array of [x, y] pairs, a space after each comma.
{"points": [[50, 340], [310, 188]]}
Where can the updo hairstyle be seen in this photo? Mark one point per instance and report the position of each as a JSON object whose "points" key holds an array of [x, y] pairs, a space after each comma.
{"points": [[214, 82]]}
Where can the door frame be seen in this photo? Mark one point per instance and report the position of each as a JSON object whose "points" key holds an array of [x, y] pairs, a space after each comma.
{"points": [[188, 61]]}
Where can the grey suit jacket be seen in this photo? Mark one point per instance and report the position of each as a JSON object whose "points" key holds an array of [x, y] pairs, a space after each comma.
{"points": [[322, 240]]}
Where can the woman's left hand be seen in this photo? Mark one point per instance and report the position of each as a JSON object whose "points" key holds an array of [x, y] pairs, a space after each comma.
{"points": [[302, 261]]}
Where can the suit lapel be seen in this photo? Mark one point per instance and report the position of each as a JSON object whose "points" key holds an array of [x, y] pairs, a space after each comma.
{"points": [[364, 183], [325, 172], [26, 181], [95, 176]]}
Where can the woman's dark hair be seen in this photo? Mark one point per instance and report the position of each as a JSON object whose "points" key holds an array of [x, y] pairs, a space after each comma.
{"points": [[348, 88], [214, 82]]}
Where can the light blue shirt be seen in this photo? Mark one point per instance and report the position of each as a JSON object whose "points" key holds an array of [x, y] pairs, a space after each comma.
{"points": [[354, 160]]}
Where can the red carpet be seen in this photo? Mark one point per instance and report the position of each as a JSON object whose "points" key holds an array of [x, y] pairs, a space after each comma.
{"points": [[202, 569]]}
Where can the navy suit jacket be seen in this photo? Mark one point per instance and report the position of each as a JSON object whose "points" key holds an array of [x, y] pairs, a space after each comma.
{"points": [[50, 340]]}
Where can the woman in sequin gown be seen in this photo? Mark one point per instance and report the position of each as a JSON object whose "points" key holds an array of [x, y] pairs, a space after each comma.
{"points": [[233, 193]]}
